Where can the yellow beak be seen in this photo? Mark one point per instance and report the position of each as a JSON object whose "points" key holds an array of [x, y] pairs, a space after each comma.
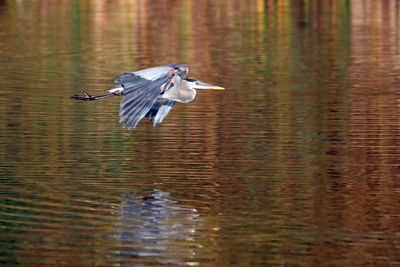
{"points": [[203, 85]]}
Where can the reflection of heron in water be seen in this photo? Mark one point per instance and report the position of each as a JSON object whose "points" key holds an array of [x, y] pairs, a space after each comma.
{"points": [[154, 226], [152, 92]]}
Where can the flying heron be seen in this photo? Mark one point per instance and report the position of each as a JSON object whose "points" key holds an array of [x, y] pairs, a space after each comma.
{"points": [[151, 92]]}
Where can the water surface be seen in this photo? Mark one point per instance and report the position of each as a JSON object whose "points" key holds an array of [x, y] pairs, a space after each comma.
{"points": [[296, 163]]}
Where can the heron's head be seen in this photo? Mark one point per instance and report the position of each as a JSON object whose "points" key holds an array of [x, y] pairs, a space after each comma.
{"points": [[196, 84], [182, 70]]}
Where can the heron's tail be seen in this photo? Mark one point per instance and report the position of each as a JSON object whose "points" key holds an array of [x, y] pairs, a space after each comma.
{"points": [[117, 90]]}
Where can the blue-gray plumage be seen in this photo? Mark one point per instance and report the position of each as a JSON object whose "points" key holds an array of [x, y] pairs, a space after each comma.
{"points": [[160, 110], [151, 92]]}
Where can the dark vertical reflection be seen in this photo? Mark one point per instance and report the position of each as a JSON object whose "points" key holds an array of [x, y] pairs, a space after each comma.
{"points": [[147, 226]]}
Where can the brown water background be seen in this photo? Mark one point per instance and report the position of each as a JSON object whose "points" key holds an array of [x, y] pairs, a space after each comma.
{"points": [[295, 164]]}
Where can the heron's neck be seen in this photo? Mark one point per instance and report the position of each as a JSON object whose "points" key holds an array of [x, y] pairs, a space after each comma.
{"points": [[182, 94]]}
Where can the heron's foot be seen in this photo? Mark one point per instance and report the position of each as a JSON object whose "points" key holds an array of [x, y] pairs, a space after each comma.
{"points": [[84, 97]]}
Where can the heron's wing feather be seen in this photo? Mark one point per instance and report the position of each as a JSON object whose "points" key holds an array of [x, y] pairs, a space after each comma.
{"points": [[139, 96], [160, 110], [150, 74], [141, 89]]}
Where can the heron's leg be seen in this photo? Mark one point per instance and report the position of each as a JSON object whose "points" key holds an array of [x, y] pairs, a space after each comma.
{"points": [[87, 97]]}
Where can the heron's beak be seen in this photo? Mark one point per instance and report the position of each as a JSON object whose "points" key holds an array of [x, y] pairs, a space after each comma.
{"points": [[203, 85]]}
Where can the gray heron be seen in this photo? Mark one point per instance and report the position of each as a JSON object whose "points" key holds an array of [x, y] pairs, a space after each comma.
{"points": [[151, 92]]}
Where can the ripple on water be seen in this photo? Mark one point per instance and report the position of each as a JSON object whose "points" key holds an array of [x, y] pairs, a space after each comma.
{"points": [[130, 228]]}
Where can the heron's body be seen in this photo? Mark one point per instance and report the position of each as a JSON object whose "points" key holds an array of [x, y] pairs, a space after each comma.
{"points": [[183, 95], [152, 92]]}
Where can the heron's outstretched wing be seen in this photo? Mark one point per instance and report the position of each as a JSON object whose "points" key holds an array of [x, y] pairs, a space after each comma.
{"points": [[141, 89], [160, 110], [139, 95]]}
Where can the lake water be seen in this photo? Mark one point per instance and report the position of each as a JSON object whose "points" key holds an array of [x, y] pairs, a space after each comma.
{"points": [[296, 163]]}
